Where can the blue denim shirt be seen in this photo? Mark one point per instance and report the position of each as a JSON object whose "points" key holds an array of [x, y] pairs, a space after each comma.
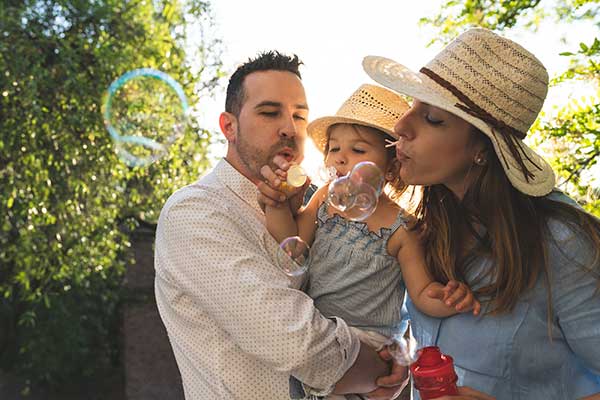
{"points": [[511, 356]]}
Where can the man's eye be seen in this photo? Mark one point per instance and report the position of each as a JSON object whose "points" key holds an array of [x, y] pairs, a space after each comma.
{"points": [[300, 117], [432, 120], [269, 113]]}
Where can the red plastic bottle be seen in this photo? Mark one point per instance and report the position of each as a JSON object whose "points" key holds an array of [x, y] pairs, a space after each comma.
{"points": [[433, 374]]}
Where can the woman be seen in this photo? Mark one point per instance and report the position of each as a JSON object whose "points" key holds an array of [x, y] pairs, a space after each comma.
{"points": [[491, 217]]}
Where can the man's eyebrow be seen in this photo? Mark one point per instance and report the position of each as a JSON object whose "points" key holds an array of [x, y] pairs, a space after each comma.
{"points": [[268, 103]]}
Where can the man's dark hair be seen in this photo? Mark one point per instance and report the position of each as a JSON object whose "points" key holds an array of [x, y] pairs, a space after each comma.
{"points": [[268, 61]]}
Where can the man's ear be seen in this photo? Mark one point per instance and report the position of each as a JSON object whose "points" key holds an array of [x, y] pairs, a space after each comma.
{"points": [[229, 126]]}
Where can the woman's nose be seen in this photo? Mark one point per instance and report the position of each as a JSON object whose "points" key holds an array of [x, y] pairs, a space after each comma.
{"points": [[403, 130]]}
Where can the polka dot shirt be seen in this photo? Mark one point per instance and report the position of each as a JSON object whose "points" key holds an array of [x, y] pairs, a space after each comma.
{"points": [[239, 326]]}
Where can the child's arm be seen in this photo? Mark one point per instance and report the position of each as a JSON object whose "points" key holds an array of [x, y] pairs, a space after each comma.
{"points": [[280, 221], [430, 297]]}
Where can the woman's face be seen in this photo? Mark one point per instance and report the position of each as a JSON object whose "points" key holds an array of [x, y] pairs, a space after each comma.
{"points": [[435, 147]]}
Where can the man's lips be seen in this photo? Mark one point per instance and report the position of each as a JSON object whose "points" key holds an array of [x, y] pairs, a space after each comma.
{"points": [[287, 153]]}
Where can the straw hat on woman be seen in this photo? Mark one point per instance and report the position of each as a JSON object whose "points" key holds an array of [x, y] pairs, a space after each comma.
{"points": [[491, 216]]}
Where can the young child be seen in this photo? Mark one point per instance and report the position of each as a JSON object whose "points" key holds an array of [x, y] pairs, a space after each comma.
{"points": [[353, 268]]}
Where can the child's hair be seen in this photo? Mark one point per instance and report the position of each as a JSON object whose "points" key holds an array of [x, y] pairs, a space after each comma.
{"points": [[394, 187]]}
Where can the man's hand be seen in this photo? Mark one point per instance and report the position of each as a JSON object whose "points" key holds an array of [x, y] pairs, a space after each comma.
{"points": [[392, 385], [271, 189], [467, 393]]}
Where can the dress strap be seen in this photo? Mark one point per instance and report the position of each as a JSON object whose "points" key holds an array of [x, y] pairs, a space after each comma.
{"points": [[401, 221]]}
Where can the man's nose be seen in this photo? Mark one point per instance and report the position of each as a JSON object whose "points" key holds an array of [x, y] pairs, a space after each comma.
{"points": [[289, 128]]}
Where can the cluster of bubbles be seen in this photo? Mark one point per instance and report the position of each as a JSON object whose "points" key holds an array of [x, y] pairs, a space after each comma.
{"points": [[356, 195], [144, 111]]}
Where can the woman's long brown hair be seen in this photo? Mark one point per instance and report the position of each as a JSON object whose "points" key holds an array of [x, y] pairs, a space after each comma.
{"points": [[516, 234]]}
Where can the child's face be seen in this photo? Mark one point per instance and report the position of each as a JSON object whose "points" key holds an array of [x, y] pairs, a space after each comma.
{"points": [[348, 145]]}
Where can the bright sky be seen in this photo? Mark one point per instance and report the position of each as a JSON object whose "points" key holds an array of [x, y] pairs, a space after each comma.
{"points": [[333, 36]]}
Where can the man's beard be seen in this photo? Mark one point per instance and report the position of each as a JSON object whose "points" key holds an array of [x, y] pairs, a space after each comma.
{"points": [[255, 157]]}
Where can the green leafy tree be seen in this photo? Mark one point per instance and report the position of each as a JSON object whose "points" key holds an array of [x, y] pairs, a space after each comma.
{"points": [[67, 202], [571, 136]]}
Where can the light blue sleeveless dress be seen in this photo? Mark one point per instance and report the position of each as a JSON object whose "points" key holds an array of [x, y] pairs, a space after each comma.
{"points": [[352, 276]]}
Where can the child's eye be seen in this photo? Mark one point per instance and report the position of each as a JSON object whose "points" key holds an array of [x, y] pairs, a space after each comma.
{"points": [[334, 149], [432, 120], [359, 151]]}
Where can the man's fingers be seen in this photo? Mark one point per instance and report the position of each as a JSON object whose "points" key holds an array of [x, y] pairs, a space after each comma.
{"points": [[281, 162], [270, 194], [385, 354], [393, 380], [384, 393], [270, 176]]}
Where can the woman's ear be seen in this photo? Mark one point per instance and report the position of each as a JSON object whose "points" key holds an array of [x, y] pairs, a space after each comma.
{"points": [[229, 126]]}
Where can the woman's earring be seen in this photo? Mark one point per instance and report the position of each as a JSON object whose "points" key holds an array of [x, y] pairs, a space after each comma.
{"points": [[480, 159], [389, 176]]}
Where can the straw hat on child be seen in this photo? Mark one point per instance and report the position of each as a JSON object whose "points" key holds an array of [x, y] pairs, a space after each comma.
{"points": [[369, 105], [492, 83]]}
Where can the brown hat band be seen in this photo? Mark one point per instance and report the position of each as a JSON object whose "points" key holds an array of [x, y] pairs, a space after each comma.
{"points": [[508, 132]]}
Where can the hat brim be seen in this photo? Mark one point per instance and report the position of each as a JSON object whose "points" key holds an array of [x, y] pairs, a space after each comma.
{"points": [[317, 129], [419, 86]]}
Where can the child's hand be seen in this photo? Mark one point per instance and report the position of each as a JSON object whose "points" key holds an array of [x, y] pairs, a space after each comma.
{"points": [[458, 295]]}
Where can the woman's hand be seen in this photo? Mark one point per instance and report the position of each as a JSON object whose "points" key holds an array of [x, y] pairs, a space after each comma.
{"points": [[458, 295], [467, 393]]}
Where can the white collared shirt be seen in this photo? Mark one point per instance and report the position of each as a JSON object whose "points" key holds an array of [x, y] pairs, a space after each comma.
{"points": [[239, 326]]}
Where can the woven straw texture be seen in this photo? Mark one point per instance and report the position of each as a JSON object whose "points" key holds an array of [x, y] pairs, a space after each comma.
{"points": [[492, 83], [369, 105]]}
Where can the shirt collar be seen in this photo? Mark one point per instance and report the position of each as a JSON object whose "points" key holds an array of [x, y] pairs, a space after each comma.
{"points": [[238, 184]]}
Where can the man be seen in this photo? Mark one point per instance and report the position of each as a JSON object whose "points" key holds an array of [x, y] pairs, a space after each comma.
{"points": [[239, 326]]}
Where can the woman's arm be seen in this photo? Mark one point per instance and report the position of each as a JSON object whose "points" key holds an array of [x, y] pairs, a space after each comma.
{"points": [[430, 297]]}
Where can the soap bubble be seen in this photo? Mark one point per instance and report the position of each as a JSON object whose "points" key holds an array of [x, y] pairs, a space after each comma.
{"points": [[144, 111], [294, 255], [368, 173], [356, 195], [327, 174], [341, 194], [365, 203], [404, 350]]}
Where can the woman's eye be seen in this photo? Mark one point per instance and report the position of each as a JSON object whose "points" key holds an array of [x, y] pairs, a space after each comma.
{"points": [[432, 120]]}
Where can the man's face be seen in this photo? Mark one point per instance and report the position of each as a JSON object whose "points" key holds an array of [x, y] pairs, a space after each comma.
{"points": [[272, 121]]}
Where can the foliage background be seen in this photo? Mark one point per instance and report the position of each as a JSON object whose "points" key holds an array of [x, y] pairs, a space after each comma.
{"points": [[569, 138], [67, 203]]}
